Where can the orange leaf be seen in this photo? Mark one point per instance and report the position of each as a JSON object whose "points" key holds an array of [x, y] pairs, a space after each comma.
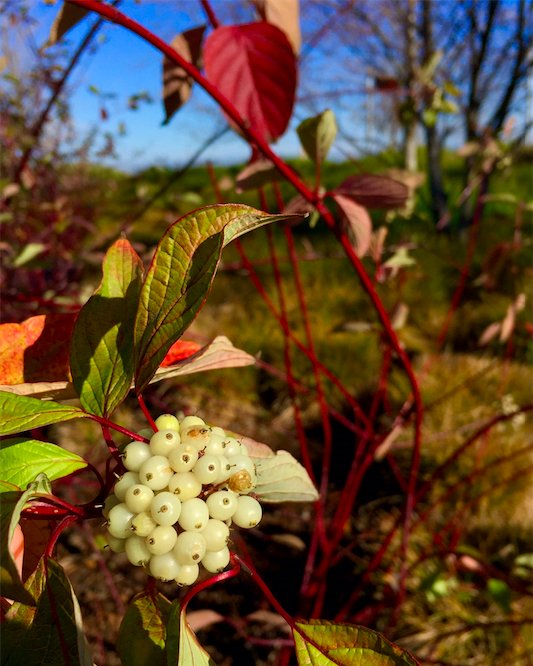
{"points": [[180, 350], [36, 349]]}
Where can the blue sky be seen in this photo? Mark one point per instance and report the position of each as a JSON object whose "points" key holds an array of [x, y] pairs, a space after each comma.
{"points": [[123, 64]]}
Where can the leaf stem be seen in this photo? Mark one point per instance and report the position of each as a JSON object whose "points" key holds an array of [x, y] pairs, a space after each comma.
{"points": [[65, 522]]}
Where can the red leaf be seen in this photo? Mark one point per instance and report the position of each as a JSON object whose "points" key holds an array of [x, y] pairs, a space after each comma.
{"points": [[374, 191], [254, 66], [36, 536], [358, 222], [180, 350], [36, 350]]}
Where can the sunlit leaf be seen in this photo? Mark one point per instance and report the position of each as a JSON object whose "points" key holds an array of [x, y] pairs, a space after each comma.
{"points": [[21, 460], [180, 276], [12, 503], [20, 413], [358, 223], [400, 259], [285, 15], [183, 648], [142, 634], [54, 634], [36, 349], [177, 83], [281, 478], [67, 17], [317, 135], [345, 645], [254, 66], [101, 357], [216, 355]]}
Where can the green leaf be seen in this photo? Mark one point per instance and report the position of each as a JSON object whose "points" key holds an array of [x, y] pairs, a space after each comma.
{"points": [[317, 135], [500, 593], [12, 503], [19, 413], [28, 253], [321, 643], [451, 89], [22, 459], [429, 116], [142, 634], [52, 634], [101, 357], [183, 648], [180, 276]]}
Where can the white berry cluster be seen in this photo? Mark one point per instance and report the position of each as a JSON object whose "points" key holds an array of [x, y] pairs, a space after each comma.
{"points": [[171, 511]]}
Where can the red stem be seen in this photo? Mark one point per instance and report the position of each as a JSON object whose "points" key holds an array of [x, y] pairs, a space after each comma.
{"points": [[465, 270], [291, 382], [218, 578], [105, 423], [210, 14], [147, 414], [65, 522]]}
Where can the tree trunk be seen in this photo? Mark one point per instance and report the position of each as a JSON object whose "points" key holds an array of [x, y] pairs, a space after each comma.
{"points": [[410, 131], [439, 199]]}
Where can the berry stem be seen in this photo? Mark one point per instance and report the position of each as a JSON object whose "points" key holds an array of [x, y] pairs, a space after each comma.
{"points": [[225, 575], [145, 411]]}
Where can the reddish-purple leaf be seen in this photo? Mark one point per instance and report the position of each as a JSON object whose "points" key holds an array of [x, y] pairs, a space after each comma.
{"points": [[374, 191], [358, 222], [254, 66], [177, 83]]}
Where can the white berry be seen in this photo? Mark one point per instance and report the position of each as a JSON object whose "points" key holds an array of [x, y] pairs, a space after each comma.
{"points": [[216, 560], [207, 469], [119, 521], [137, 551], [222, 504], [231, 447], [185, 485], [189, 421], [183, 459], [115, 544], [163, 442], [248, 513], [126, 480], [135, 454], [138, 498], [164, 567], [143, 524], [190, 547], [194, 515], [216, 534], [156, 472], [165, 508], [167, 422], [187, 574], [161, 540]]}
